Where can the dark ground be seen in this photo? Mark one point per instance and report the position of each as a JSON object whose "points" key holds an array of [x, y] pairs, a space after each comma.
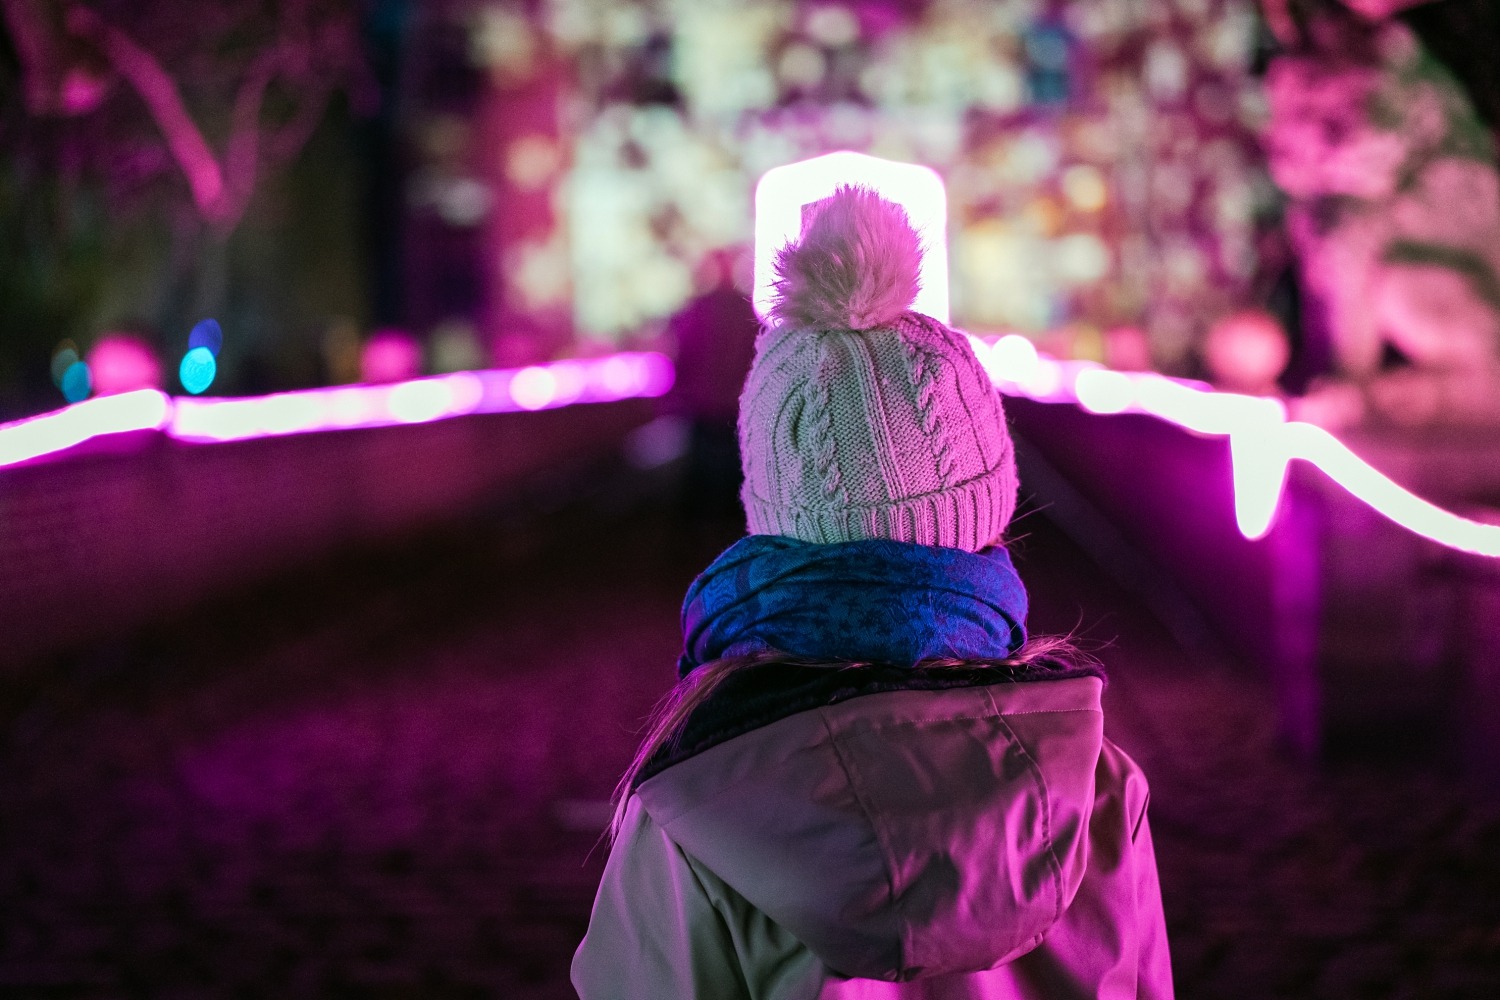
{"points": [[386, 777]]}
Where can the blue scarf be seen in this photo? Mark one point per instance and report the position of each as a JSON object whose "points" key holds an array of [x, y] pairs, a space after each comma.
{"points": [[873, 600]]}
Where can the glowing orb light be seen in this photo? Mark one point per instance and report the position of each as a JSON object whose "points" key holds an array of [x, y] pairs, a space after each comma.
{"points": [[420, 401], [533, 388], [1013, 358], [1246, 352], [390, 355], [76, 382], [1103, 391], [197, 371], [783, 191], [207, 333], [121, 362], [63, 358]]}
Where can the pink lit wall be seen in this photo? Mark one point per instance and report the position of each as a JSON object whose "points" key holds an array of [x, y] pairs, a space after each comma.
{"points": [[140, 524]]}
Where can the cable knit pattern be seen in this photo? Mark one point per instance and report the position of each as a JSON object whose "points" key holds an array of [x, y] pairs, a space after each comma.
{"points": [[925, 372], [892, 432], [825, 451]]}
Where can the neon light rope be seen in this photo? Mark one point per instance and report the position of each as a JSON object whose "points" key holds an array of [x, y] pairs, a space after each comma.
{"points": [[1262, 442], [197, 420]]}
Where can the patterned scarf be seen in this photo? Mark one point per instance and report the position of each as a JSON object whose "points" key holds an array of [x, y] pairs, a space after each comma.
{"points": [[874, 600]]}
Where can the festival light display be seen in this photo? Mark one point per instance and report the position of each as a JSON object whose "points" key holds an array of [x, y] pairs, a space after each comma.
{"points": [[1262, 441], [539, 387]]}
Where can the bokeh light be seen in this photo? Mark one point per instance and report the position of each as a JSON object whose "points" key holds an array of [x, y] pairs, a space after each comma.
{"points": [[1103, 391], [419, 402], [533, 388], [207, 333], [63, 358], [197, 371], [1014, 358], [122, 362], [76, 382], [390, 355], [1247, 351], [618, 377]]}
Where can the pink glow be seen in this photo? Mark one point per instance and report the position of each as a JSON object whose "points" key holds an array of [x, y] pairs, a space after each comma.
{"points": [[533, 388], [390, 355], [783, 191], [1262, 441], [560, 383], [122, 363]]}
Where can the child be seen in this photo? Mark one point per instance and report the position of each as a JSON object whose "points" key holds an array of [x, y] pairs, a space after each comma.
{"points": [[868, 783]]}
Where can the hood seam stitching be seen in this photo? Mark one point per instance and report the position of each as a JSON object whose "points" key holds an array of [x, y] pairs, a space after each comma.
{"points": [[1036, 773], [887, 857]]}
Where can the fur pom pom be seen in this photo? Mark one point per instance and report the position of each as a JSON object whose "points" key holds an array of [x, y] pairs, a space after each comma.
{"points": [[854, 267]]}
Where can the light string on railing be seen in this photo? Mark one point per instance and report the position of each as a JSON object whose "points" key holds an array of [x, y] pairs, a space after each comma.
{"points": [[203, 420], [1262, 441]]}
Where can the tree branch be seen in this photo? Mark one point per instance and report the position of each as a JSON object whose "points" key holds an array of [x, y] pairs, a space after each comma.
{"points": [[156, 88], [37, 47], [67, 61]]}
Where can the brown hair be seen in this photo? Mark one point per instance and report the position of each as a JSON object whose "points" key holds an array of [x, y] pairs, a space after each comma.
{"points": [[667, 719]]}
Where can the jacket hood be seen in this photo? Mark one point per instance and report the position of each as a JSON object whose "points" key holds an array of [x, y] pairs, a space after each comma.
{"points": [[902, 834]]}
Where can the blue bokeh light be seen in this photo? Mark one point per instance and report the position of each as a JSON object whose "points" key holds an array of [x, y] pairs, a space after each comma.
{"points": [[208, 334], [76, 382], [65, 357], [198, 369]]}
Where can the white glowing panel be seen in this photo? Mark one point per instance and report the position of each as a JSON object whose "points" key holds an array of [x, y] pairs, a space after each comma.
{"points": [[783, 191]]}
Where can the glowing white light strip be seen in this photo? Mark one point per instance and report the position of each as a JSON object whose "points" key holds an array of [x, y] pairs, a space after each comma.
{"points": [[783, 191], [143, 410], [1262, 442], [1314, 444], [195, 419]]}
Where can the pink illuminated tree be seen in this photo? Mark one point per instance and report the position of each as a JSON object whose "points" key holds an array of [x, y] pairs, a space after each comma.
{"points": [[252, 79], [145, 181], [1281, 16]]}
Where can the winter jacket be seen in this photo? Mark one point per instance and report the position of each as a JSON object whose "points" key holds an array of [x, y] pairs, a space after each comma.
{"points": [[980, 842]]}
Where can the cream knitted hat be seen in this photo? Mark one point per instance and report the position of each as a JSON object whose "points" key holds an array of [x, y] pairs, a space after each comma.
{"points": [[859, 418]]}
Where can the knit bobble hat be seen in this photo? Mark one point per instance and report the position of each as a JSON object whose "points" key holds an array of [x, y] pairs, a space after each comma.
{"points": [[859, 418]]}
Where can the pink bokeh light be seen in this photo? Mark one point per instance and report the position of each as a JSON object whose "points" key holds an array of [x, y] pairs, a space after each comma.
{"points": [[122, 363], [390, 355]]}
